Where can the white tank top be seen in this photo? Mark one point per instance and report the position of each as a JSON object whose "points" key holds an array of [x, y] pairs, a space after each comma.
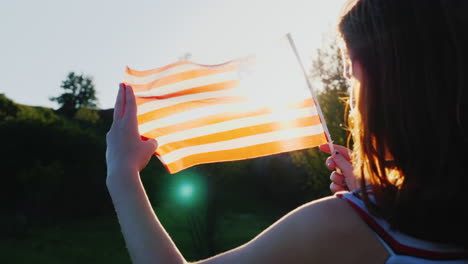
{"points": [[404, 249]]}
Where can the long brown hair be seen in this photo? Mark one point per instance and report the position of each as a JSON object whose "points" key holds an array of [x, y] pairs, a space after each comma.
{"points": [[410, 131]]}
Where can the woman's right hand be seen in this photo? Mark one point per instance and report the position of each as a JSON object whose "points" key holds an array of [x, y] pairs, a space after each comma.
{"points": [[342, 177], [126, 150]]}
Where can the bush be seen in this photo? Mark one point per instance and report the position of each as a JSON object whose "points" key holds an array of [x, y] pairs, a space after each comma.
{"points": [[55, 171], [87, 115]]}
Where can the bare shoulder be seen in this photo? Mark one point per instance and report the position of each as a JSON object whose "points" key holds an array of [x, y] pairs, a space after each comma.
{"points": [[328, 213], [340, 233], [322, 231]]}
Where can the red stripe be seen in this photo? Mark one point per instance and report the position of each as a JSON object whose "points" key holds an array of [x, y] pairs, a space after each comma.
{"points": [[397, 246]]}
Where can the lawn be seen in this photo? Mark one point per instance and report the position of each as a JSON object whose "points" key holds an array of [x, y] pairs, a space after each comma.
{"points": [[99, 240]]}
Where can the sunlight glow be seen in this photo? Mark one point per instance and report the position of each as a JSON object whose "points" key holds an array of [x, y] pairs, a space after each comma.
{"points": [[273, 78]]}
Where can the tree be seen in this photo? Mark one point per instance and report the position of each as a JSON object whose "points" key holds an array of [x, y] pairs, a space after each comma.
{"points": [[79, 93], [328, 70]]}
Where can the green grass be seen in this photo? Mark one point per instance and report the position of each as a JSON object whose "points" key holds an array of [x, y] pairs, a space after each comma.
{"points": [[100, 240], [91, 241]]}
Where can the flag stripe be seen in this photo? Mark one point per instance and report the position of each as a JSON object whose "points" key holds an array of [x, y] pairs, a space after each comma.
{"points": [[247, 152], [160, 104], [136, 79], [243, 142], [191, 83], [194, 114], [202, 89], [157, 70], [219, 118], [186, 107], [236, 124], [238, 133], [203, 112], [181, 76]]}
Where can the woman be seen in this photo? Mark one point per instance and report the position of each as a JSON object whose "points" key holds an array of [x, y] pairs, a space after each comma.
{"points": [[409, 119]]}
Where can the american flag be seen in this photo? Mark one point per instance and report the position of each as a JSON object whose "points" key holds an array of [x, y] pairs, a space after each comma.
{"points": [[249, 107]]}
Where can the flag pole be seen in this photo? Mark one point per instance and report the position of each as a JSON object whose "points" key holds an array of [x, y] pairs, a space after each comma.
{"points": [[319, 110]]}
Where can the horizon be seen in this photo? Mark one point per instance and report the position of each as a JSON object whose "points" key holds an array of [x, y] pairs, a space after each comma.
{"points": [[52, 38]]}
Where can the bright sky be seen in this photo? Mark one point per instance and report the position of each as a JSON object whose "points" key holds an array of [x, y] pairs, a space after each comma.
{"points": [[44, 40]]}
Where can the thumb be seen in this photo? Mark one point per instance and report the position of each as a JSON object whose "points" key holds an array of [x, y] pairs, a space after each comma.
{"points": [[151, 145]]}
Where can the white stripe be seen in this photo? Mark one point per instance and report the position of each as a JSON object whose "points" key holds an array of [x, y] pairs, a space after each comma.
{"points": [[237, 123], [195, 114], [158, 104], [191, 83], [131, 79], [242, 142]]}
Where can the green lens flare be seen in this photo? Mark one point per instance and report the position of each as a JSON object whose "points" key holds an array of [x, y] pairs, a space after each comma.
{"points": [[186, 190]]}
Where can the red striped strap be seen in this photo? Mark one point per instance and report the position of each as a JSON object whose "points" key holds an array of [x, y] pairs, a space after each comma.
{"points": [[399, 248]]}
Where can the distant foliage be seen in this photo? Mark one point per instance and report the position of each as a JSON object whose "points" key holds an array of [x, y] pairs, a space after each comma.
{"points": [[87, 115], [8, 109], [54, 168], [328, 69], [40, 115], [79, 93]]}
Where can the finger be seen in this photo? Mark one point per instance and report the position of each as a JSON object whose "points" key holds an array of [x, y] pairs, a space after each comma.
{"points": [[130, 103], [325, 148], [343, 164], [330, 163], [336, 188], [130, 112], [151, 145], [153, 141], [119, 102], [338, 179], [343, 150]]}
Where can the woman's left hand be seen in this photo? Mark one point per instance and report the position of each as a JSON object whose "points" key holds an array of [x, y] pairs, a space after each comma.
{"points": [[342, 177], [126, 150]]}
